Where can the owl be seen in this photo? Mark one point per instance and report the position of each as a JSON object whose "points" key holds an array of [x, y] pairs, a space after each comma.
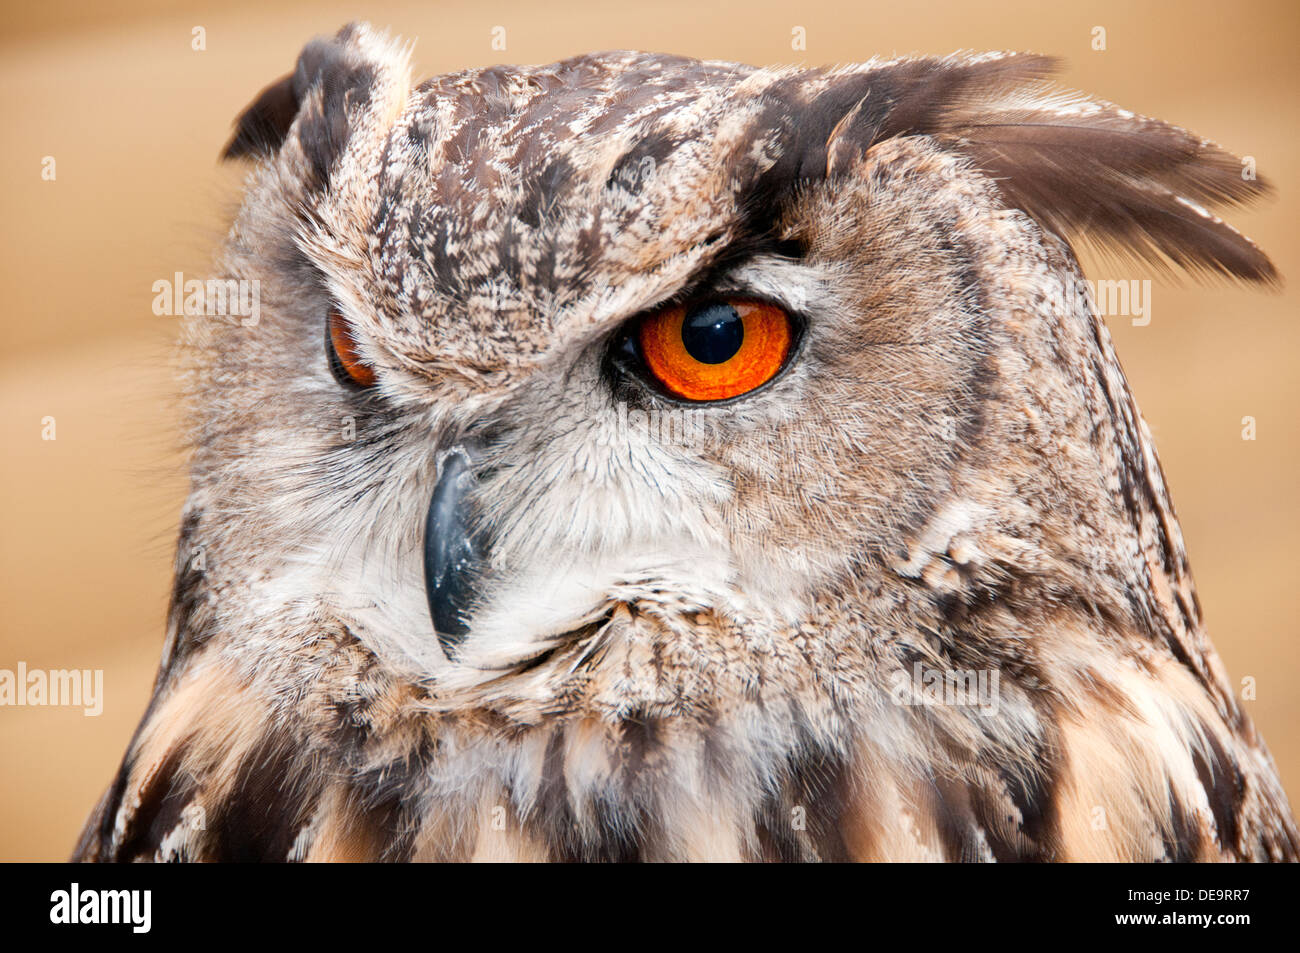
{"points": [[646, 458]]}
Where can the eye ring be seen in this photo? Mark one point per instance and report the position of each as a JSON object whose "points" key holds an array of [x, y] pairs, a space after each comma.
{"points": [[344, 359], [713, 349]]}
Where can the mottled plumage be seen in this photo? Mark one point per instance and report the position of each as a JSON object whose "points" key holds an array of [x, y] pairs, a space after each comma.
{"points": [[702, 650]]}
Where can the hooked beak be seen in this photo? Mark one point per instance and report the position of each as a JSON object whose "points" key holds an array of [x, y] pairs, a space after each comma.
{"points": [[451, 559]]}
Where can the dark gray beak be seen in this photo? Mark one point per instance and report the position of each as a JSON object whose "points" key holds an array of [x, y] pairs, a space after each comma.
{"points": [[451, 559]]}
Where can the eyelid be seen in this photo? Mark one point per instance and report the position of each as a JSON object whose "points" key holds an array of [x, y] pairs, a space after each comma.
{"points": [[790, 283]]}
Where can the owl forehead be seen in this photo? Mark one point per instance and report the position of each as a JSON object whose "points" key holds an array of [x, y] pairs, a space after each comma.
{"points": [[518, 209]]}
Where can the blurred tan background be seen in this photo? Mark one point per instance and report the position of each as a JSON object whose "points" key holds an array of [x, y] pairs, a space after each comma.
{"points": [[134, 118]]}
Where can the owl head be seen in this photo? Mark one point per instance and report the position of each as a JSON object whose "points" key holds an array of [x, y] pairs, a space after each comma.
{"points": [[618, 447], [681, 378]]}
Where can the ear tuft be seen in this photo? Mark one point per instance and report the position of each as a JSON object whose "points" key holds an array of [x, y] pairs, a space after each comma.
{"points": [[1088, 170], [1082, 168], [262, 126], [338, 67], [337, 79]]}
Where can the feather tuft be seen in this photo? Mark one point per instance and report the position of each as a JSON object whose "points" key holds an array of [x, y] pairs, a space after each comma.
{"points": [[1083, 168]]}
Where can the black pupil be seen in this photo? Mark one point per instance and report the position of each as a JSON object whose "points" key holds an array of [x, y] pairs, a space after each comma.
{"points": [[713, 332]]}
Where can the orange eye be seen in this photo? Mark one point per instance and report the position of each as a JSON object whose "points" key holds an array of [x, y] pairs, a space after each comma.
{"points": [[344, 359], [716, 348]]}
